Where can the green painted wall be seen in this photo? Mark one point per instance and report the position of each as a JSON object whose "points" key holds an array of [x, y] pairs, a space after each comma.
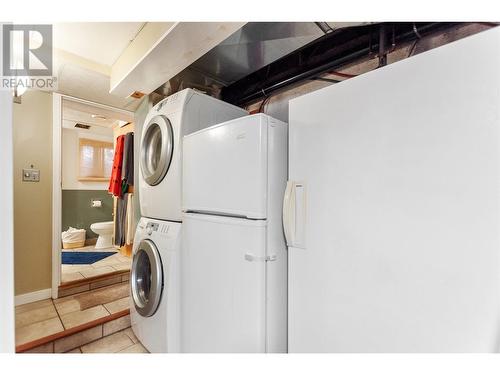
{"points": [[77, 213]]}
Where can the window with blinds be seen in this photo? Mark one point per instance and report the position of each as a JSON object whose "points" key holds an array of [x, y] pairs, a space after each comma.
{"points": [[96, 160]]}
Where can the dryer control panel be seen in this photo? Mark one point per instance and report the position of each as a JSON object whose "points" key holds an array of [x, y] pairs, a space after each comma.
{"points": [[156, 227]]}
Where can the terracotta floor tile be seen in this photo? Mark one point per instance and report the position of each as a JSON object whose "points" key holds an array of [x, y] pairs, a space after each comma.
{"points": [[119, 305], [121, 266], [71, 276], [74, 290], [67, 306], [73, 267], [67, 298], [109, 344], [106, 282], [97, 271], [35, 315], [33, 305], [81, 317], [109, 261], [38, 330], [74, 351], [131, 334], [136, 348]]}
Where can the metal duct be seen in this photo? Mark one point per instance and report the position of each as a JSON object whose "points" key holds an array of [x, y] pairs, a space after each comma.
{"points": [[255, 45]]}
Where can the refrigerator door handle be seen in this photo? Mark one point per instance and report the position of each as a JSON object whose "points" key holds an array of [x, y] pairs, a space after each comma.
{"points": [[289, 212], [294, 214], [254, 258]]}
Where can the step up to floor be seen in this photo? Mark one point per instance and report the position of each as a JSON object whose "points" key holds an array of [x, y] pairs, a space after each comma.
{"points": [[79, 286], [81, 337], [70, 322]]}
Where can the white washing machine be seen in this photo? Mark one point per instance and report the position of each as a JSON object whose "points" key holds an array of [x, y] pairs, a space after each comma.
{"points": [[168, 121], [154, 282]]}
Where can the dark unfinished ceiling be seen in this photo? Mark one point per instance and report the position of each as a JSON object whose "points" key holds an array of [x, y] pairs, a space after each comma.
{"points": [[264, 57]]}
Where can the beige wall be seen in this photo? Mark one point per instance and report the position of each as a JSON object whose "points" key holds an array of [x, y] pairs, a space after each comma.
{"points": [[33, 201]]}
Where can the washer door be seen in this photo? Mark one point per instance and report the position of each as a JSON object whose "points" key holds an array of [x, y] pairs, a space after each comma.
{"points": [[156, 149], [146, 278]]}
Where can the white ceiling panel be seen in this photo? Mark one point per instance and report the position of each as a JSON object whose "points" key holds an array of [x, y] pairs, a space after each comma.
{"points": [[102, 42], [86, 84]]}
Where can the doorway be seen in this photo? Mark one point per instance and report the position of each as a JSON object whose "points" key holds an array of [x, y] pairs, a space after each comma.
{"points": [[85, 255]]}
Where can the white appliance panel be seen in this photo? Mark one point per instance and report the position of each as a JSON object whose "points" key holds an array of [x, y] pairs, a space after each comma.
{"points": [[225, 168], [223, 284], [396, 247]]}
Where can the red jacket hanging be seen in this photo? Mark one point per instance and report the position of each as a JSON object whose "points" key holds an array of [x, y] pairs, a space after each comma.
{"points": [[115, 184]]}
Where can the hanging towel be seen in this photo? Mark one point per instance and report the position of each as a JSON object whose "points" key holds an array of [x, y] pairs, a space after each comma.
{"points": [[115, 184], [128, 163], [130, 219], [120, 221]]}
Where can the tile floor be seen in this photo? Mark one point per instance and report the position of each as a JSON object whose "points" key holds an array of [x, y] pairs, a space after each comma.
{"points": [[113, 263], [119, 342], [43, 318]]}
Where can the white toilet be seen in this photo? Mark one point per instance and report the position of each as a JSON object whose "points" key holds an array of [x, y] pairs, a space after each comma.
{"points": [[105, 231]]}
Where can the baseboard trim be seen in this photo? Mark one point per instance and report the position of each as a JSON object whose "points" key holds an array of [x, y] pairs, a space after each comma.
{"points": [[38, 295]]}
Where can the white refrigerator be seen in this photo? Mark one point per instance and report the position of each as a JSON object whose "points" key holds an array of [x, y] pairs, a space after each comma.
{"points": [[392, 209], [234, 256]]}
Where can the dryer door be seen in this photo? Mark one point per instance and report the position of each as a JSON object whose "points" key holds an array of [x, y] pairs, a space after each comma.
{"points": [[146, 278], [156, 149]]}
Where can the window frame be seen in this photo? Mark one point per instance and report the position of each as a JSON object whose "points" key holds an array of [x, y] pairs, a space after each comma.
{"points": [[82, 141]]}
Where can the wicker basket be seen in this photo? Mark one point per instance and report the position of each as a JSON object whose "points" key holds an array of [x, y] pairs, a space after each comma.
{"points": [[73, 238], [73, 245]]}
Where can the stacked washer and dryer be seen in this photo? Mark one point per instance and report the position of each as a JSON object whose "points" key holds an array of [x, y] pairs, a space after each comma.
{"points": [[155, 274]]}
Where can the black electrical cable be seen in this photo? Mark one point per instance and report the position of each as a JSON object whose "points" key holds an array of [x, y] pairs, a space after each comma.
{"points": [[417, 34], [413, 47], [325, 79]]}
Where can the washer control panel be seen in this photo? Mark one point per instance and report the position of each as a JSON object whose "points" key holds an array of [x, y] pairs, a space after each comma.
{"points": [[151, 227]]}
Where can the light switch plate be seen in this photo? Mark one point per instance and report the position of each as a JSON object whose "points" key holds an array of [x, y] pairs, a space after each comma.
{"points": [[31, 175]]}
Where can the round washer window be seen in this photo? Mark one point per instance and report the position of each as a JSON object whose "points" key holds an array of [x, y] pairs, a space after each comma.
{"points": [[143, 278], [146, 278]]}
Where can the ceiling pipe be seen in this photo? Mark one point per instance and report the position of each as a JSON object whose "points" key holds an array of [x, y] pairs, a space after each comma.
{"points": [[305, 75], [324, 27], [382, 53]]}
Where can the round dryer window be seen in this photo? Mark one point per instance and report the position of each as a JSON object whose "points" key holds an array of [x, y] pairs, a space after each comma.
{"points": [[156, 149], [146, 278]]}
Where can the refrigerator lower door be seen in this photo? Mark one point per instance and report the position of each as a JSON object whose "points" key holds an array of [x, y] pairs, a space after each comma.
{"points": [[223, 285], [399, 250]]}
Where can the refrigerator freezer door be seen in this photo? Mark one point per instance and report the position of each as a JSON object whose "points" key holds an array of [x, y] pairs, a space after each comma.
{"points": [[225, 168], [402, 225], [223, 285]]}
